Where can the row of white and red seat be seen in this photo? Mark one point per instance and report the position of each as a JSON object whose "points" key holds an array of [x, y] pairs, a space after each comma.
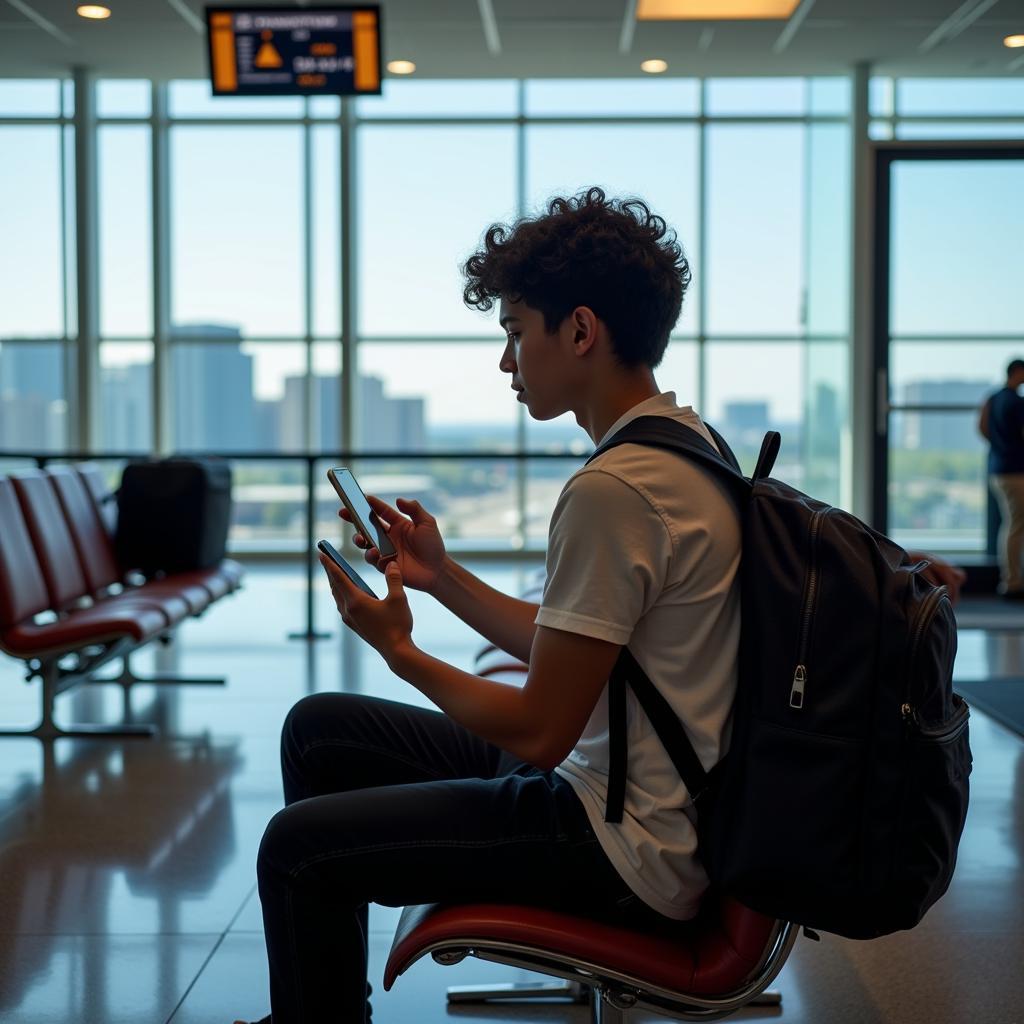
{"points": [[66, 605]]}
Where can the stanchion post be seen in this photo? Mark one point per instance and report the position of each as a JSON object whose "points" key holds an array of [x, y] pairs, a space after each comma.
{"points": [[310, 634]]}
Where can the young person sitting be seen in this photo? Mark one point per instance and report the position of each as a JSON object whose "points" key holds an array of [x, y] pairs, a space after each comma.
{"points": [[501, 793]]}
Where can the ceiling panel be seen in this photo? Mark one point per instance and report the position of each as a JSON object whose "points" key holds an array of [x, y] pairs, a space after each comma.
{"points": [[545, 38], [567, 10]]}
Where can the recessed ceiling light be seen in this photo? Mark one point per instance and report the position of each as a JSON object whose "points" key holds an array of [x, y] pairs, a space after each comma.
{"points": [[1014, 41], [713, 10], [654, 67], [94, 11], [401, 67]]}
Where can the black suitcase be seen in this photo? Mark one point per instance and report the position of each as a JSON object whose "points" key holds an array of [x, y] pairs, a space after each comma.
{"points": [[173, 515]]}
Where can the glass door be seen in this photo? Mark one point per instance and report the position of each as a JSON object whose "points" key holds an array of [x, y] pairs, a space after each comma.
{"points": [[949, 316]]}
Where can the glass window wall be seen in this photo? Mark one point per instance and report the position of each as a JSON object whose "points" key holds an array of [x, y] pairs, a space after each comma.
{"points": [[237, 229], [31, 256], [235, 316]]}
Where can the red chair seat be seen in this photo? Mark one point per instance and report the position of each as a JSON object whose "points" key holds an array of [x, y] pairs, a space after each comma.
{"points": [[711, 955], [173, 606], [194, 597], [103, 623], [223, 579], [215, 583]]}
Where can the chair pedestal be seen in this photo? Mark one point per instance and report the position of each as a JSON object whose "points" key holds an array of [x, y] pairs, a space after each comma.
{"points": [[604, 1009], [536, 990]]}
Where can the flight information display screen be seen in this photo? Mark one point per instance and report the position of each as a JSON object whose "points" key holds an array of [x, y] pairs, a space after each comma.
{"points": [[284, 51]]}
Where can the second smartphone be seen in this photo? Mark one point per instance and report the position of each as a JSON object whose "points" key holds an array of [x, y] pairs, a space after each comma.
{"points": [[364, 518], [342, 563]]}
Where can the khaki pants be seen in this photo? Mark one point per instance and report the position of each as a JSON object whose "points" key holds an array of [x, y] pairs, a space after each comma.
{"points": [[1008, 489]]}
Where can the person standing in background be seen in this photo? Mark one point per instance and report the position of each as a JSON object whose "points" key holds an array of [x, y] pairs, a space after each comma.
{"points": [[1002, 424]]}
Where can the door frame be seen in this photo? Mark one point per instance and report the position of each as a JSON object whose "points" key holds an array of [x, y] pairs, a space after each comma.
{"points": [[885, 154]]}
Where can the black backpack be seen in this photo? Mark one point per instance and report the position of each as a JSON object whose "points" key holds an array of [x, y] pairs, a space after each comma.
{"points": [[841, 801]]}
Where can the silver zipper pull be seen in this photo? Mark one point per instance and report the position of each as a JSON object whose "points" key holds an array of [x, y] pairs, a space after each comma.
{"points": [[796, 695]]}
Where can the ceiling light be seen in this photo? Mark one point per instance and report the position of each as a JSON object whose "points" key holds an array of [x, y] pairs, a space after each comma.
{"points": [[1013, 41], [94, 11], [713, 10], [401, 67], [654, 67]]}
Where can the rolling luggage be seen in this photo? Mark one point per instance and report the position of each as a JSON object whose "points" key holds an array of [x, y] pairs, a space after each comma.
{"points": [[173, 515]]}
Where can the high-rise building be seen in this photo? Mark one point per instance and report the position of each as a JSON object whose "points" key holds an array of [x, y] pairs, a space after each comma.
{"points": [[389, 424], [212, 385], [384, 423], [33, 408], [322, 405], [744, 423], [942, 431], [266, 425], [824, 418], [127, 407]]}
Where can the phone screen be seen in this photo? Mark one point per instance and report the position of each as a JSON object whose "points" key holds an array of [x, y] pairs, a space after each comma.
{"points": [[328, 549], [354, 500]]}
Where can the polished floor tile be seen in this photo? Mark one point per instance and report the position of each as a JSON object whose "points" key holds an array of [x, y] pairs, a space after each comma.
{"points": [[97, 978], [127, 868], [229, 988]]}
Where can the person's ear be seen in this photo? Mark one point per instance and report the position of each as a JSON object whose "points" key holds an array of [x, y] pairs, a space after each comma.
{"points": [[584, 328]]}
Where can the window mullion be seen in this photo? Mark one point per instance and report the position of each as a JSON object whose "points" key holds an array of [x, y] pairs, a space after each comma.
{"points": [[307, 271], [87, 253], [161, 243], [347, 234]]}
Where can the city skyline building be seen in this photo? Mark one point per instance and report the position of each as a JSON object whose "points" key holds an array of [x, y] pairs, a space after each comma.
{"points": [[934, 431], [213, 398], [33, 406], [127, 421]]}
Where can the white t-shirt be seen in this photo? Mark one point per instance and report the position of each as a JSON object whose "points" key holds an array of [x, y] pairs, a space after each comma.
{"points": [[644, 551]]}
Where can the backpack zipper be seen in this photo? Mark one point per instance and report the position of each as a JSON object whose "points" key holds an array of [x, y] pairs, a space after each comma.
{"points": [[924, 617], [796, 694]]}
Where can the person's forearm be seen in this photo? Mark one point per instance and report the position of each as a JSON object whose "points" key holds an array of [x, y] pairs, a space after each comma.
{"points": [[497, 712], [506, 622]]}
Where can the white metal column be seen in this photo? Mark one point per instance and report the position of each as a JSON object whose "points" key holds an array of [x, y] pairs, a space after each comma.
{"points": [[349, 277], [161, 205], [87, 261], [861, 343]]}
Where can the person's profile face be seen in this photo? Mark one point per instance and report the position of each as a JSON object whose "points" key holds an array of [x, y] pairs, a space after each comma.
{"points": [[530, 355], [514, 319]]}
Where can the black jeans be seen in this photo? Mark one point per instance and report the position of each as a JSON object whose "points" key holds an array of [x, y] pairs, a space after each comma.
{"points": [[397, 805]]}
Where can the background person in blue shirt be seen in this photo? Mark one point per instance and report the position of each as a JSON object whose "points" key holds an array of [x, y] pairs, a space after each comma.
{"points": [[1002, 424]]}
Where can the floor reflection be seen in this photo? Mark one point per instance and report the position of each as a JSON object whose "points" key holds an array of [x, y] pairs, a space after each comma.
{"points": [[109, 825]]}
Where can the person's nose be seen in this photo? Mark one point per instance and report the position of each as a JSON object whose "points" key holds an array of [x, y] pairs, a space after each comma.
{"points": [[507, 363]]}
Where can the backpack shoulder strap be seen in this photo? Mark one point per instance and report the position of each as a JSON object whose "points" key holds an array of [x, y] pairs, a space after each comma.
{"points": [[671, 435], [667, 727], [663, 432], [723, 446]]}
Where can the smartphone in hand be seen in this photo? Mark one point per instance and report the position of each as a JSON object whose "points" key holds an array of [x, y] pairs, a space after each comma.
{"points": [[328, 549], [365, 520]]}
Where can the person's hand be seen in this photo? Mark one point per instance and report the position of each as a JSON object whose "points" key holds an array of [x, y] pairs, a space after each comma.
{"points": [[952, 577], [416, 538], [386, 624], [942, 574]]}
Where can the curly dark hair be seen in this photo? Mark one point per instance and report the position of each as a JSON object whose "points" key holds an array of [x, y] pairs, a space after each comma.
{"points": [[613, 255]]}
